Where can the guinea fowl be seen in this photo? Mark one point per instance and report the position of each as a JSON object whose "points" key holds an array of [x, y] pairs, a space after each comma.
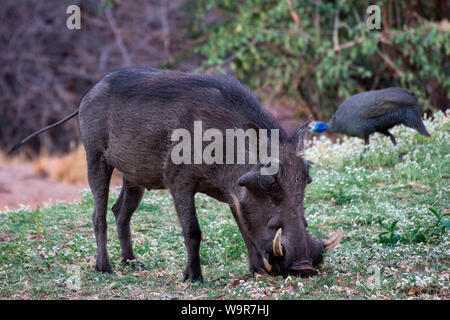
{"points": [[374, 111]]}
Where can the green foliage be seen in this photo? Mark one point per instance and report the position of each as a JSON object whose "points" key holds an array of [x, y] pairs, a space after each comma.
{"points": [[440, 223], [297, 48], [421, 234], [340, 196], [392, 237], [37, 220]]}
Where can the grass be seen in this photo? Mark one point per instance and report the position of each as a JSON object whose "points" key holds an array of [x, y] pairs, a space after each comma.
{"points": [[395, 217]]}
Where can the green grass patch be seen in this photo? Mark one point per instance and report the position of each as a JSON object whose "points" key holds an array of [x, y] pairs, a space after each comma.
{"points": [[395, 216]]}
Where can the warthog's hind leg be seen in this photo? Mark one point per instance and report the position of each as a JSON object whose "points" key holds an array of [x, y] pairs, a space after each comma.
{"points": [[99, 175], [127, 203]]}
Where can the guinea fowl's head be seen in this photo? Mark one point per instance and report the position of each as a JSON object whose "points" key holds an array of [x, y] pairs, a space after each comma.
{"points": [[318, 126]]}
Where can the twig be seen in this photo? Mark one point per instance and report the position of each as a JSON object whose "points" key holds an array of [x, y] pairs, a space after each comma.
{"points": [[296, 20], [165, 30], [336, 31], [118, 37], [382, 37], [293, 14], [348, 44], [355, 13], [390, 64], [386, 22], [104, 55]]}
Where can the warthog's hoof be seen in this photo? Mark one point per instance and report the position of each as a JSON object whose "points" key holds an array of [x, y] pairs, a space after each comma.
{"points": [[104, 269], [193, 276]]}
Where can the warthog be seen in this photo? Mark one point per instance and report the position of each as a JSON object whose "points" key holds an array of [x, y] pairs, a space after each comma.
{"points": [[126, 122]]}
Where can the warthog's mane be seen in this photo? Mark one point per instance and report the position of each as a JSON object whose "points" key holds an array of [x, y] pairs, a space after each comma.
{"points": [[147, 84]]}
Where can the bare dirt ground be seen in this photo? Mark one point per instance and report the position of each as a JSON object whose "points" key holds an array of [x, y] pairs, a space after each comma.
{"points": [[19, 185]]}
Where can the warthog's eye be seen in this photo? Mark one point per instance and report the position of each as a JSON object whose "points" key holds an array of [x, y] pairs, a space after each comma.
{"points": [[308, 165], [308, 179], [304, 175]]}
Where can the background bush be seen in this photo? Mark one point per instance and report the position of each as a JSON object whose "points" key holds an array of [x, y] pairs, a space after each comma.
{"points": [[301, 56], [318, 53]]}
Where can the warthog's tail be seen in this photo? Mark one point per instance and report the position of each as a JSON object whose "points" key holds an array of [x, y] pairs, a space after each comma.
{"points": [[18, 145]]}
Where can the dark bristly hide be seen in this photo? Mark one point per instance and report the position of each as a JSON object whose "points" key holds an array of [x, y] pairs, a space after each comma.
{"points": [[126, 121]]}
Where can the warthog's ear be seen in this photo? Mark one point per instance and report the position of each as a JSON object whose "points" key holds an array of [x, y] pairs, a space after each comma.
{"points": [[300, 135], [255, 181]]}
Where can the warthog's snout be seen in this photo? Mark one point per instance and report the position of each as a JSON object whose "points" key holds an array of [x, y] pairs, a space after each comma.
{"points": [[303, 266]]}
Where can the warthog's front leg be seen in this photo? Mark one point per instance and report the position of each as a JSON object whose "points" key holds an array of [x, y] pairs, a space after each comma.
{"points": [[185, 207]]}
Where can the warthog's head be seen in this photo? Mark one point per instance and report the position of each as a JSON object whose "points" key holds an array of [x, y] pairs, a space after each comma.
{"points": [[270, 208]]}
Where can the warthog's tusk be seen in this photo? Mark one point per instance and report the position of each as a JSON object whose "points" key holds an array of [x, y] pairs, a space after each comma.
{"points": [[276, 246], [333, 241], [267, 265]]}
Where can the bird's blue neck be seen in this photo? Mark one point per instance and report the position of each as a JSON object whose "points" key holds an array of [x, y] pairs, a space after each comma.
{"points": [[321, 126]]}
